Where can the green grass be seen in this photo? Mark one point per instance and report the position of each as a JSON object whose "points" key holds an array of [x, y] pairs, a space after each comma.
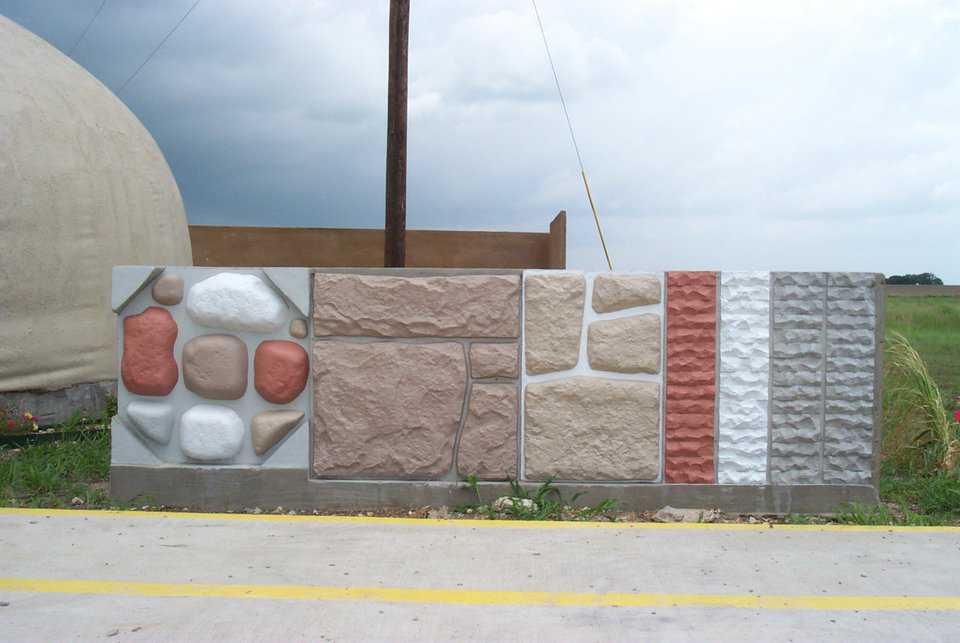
{"points": [[932, 324], [52, 474]]}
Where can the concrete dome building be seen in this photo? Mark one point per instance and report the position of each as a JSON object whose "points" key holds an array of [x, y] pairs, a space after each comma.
{"points": [[83, 187]]}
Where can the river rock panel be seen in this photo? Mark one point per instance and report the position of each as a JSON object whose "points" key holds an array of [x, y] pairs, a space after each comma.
{"points": [[691, 377]]}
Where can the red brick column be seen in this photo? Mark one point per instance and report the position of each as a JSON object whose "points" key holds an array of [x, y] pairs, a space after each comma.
{"points": [[691, 377]]}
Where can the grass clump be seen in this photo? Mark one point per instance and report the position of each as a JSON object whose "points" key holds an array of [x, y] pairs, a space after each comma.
{"points": [[546, 502], [52, 474], [919, 434]]}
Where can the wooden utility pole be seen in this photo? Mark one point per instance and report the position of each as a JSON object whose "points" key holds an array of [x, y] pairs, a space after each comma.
{"points": [[394, 255]]}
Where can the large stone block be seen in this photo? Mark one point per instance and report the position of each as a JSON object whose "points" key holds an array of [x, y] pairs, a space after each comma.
{"points": [[613, 291], [744, 377], [493, 360], [148, 366], [396, 306], [691, 377], [386, 409], [553, 305], [625, 345], [215, 367], [590, 428], [236, 301], [488, 443]]}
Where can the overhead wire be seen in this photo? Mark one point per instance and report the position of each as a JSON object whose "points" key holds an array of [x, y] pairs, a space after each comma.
{"points": [[158, 47], [87, 28], [573, 138]]}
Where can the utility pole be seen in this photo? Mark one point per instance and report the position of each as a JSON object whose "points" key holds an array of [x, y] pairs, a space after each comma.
{"points": [[394, 255]]}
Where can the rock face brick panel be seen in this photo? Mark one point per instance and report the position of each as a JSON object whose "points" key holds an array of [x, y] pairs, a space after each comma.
{"points": [[849, 380], [797, 368], [553, 318], [744, 377], [360, 305], [691, 377], [386, 410], [592, 428]]}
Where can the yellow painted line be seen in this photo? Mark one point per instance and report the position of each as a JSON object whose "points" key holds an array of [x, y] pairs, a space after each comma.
{"points": [[462, 523], [476, 597]]}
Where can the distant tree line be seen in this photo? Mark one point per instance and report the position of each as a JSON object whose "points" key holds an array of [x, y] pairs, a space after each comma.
{"points": [[923, 279]]}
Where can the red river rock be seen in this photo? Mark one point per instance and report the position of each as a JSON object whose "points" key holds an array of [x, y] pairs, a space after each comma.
{"points": [[280, 370], [148, 366]]}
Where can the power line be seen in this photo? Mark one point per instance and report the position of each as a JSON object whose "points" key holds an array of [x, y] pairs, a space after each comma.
{"points": [[576, 148], [157, 48], [87, 28]]}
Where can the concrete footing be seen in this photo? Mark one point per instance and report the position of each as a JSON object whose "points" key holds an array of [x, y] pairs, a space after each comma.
{"points": [[226, 488]]}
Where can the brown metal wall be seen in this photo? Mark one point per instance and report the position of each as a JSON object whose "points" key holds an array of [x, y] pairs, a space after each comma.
{"points": [[363, 248]]}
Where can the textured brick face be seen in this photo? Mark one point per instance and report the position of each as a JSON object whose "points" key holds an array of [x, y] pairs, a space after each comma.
{"points": [[691, 377]]}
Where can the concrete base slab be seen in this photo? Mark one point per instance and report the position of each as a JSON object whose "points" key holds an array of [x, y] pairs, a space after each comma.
{"points": [[226, 488]]}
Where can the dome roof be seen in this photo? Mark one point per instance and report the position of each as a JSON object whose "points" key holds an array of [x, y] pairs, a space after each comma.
{"points": [[83, 187]]}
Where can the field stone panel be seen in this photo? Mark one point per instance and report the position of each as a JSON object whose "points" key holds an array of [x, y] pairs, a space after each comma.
{"points": [[625, 345], [488, 444], [553, 305], [591, 428], [493, 360], [613, 291], [744, 377], [797, 365], [215, 367], [386, 410], [148, 366], [398, 306], [689, 438]]}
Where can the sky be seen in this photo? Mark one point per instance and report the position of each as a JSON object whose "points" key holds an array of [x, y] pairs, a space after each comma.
{"points": [[717, 135]]}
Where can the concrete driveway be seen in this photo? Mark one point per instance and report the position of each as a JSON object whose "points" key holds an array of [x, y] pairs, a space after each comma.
{"points": [[68, 575]]}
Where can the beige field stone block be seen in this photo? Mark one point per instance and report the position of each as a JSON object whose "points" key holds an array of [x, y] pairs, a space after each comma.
{"points": [[553, 305], [386, 410], [493, 360], [591, 428], [625, 345], [615, 292], [269, 427], [395, 306], [488, 444]]}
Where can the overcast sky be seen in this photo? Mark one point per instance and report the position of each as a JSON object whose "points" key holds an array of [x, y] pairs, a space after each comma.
{"points": [[717, 135]]}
